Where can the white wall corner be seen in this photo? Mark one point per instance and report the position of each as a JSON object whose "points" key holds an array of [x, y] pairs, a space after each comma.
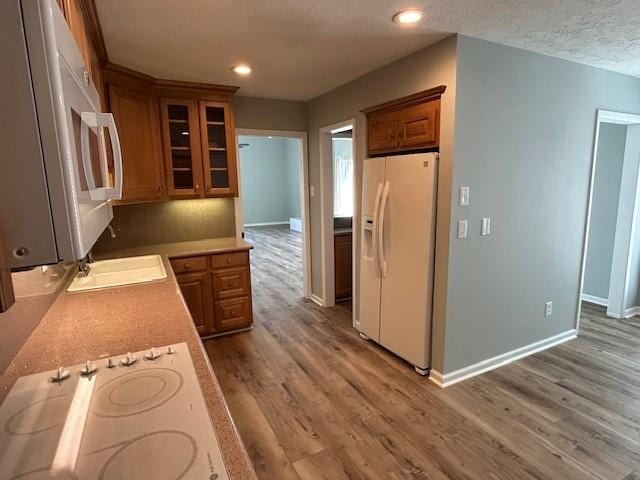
{"points": [[448, 379]]}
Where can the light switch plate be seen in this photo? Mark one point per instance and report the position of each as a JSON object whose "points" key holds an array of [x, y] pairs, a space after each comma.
{"points": [[463, 199], [462, 228], [486, 226]]}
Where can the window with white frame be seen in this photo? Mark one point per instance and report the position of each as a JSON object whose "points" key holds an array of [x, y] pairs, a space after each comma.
{"points": [[342, 176]]}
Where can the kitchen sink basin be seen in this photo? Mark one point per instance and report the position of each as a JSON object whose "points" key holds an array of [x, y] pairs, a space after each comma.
{"points": [[120, 272]]}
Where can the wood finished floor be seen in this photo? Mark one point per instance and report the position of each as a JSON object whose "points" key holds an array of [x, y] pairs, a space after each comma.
{"points": [[313, 401]]}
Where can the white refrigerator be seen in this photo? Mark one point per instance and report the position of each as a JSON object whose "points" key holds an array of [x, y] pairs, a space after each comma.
{"points": [[397, 254]]}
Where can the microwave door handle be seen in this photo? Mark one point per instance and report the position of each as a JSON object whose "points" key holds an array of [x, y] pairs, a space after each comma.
{"points": [[103, 120], [88, 119], [380, 231], [117, 154], [374, 241]]}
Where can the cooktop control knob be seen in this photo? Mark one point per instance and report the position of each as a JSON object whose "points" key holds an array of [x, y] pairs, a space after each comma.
{"points": [[88, 368], [60, 375], [152, 354], [129, 360], [111, 363], [170, 350]]}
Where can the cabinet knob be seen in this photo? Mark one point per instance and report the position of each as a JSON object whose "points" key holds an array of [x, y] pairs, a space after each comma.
{"points": [[229, 260], [187, 266], [197, 187]]}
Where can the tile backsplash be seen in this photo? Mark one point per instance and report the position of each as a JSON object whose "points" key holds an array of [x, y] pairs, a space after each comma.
{"points": [[164, 222]]}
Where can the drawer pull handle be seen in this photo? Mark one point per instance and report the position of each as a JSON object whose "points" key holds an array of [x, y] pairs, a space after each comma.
{"points": [[187, 266]]}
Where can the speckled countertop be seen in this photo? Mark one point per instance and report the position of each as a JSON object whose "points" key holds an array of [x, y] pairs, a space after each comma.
{"points": [[109, 322], [181, 249]]}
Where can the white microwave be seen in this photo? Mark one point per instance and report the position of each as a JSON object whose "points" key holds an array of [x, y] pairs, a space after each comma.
{"points": [[60, 155]]}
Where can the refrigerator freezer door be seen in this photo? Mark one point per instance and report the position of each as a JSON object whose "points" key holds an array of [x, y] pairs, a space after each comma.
{"points": [[408, 245], [369, 306]]}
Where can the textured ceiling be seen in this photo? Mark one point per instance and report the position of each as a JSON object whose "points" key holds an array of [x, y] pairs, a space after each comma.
{"points": [[300, 49]]}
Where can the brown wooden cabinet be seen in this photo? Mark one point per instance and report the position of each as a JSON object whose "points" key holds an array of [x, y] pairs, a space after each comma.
{"points": [[406, 124], [343, 264], [217, 290], [196, 290], [199, 148], [218, 149], [181, 146], [136, 116]]}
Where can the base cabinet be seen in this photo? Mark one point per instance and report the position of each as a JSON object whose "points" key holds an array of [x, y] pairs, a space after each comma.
{"points": [[217, 291], [196, 290]]}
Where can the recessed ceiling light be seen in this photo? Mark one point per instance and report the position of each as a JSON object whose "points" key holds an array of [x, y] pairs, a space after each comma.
{"points": [[242, 69], [408, 17]]}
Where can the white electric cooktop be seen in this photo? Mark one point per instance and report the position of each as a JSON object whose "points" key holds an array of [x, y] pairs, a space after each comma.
{"points": [[137, 416]]}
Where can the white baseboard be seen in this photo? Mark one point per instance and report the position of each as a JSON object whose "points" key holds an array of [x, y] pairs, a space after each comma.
{"points": [[448, 379], [265, 224], [630, 312], [316, 299], [593, 299]]}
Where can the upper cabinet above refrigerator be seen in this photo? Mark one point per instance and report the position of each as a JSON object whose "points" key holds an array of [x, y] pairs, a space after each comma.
{"points": [[408, 124]]}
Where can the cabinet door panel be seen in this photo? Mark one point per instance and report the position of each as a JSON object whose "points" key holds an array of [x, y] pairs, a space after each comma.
{"points": [[218, 149], [196, 290], [418, 126], [382, 132], [232, 314], [343, 266], [136, 116], [181, 142]]}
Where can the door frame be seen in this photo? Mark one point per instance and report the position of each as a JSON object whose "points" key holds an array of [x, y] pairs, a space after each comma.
{"points": [[326, 210], [606, 116], [303, 184]]}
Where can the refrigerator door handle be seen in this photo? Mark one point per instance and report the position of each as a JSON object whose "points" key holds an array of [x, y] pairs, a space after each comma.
{"points": [[380, 230], [374, 241]]}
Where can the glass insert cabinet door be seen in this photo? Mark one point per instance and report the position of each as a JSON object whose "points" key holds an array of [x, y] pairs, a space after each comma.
{"points": [[218, 149], [182, 147]]}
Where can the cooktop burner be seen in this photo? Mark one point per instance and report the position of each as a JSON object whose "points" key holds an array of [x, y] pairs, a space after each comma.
{"points": [[136, 392], [137, 416]]}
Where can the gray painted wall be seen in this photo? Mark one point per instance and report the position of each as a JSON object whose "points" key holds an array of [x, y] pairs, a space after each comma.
{"points": [[427, 68], [604, 209], [293, 150], [269, 114], [523, 143], [270, 193]]}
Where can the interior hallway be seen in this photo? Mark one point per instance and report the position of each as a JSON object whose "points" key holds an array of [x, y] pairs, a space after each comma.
{"points": [[312, 400]]}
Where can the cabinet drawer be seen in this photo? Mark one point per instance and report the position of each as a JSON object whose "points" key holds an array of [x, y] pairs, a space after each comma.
{"points": [[230, 283], [223, 260], [190, 264], [233, 313]]}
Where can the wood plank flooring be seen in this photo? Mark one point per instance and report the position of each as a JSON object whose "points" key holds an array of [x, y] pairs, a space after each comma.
{"points": [[313, 401]]}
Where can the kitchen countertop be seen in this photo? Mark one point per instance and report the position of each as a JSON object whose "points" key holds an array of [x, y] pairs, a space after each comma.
{"points": [[110, 322], [181, 249]]}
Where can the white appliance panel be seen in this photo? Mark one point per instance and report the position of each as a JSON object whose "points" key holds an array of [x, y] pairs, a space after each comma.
{"points": [[369, 306], [407, 256], [144, 420]]}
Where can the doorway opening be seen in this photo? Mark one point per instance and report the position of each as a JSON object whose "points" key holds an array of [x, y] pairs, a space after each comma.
{"points": [[272, 209], [611, 260], [339, 208]]}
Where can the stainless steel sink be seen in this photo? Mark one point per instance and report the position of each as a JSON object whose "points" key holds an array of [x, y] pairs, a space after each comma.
{"points": [[119, 272]]}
